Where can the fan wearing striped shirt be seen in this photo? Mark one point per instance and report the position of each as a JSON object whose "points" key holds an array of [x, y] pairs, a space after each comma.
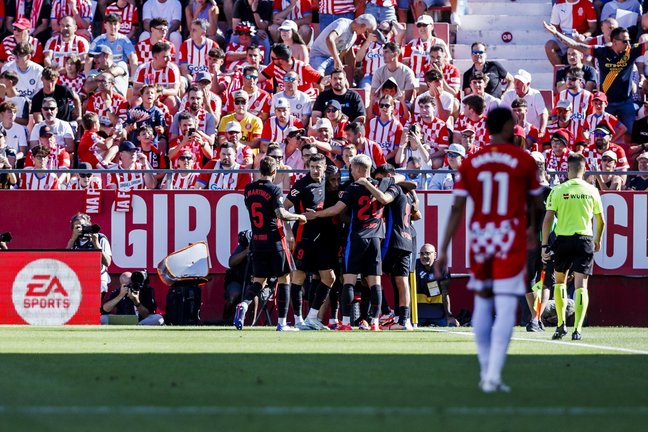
{"points": [[33, 181]]}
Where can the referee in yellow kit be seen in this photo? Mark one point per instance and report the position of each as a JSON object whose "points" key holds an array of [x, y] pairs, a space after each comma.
{"points": [[574, 203]]}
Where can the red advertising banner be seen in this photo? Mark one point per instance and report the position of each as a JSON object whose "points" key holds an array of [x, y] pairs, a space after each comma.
{"points": [[50, 287], [160, 222]]}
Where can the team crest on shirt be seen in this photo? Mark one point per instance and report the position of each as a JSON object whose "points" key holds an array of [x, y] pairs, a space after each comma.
{"points": [[299, 106], [32, 81], [248, 126], [579, 12]]}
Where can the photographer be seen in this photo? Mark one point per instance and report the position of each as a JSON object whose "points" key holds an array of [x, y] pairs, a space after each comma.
{"points": [[133, 297], [86, 236], [237, 276]]}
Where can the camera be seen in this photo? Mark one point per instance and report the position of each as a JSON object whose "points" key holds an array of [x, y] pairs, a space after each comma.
{"points": [[5, 237], [244, 238], [90, 229], [191, 131], [413, 128], [138, 280]]}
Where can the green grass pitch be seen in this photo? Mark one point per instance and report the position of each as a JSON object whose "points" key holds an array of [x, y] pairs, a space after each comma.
{"points": [[185, 379]]}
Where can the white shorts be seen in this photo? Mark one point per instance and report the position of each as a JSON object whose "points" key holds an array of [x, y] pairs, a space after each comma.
{"points": [[511, 286]]}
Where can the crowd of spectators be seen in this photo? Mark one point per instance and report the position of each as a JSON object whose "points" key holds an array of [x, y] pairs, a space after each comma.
{"points": [[217, 85]]}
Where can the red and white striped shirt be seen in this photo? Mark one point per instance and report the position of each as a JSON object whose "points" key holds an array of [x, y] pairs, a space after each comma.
{"points": [[592, 120], [166, 77], [386, 135], [482, 137], [144, 48], [301, 8], [63, 8], [33, 181], [581, 104], [75, 84], [557, 163], [128, 14], [61, 50], [418, 52], [9, 43], [574, 128], [259, 102], [384, 3], [232, 180], [374, 58], [374, 151], [194, 56], [184, 181], [118, 106], [593, 157], [233, 65], [274, 132], [123, 180], [95, 183], [336, 7]]}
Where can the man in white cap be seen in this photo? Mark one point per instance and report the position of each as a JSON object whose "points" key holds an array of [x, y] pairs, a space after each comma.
{"points": [[251, 125], [537, 113], [640, 182], [563, 120], [455, 155], [274, 129], [244, 154], [300, 103], [611, 181]]}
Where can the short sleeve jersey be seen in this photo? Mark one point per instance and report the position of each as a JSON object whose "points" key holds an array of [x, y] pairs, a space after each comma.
{"points": [[573, 16], [366, 211], [616, 70], [305, 194], [262, 198], [498, 178], [575, 203], [398, 217]]}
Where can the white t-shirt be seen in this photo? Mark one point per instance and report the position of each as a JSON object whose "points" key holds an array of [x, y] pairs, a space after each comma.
{"points": [[17, 137], [535, 101], [300, 103], [345, 39], [169, 10], [29, 81], [61, 130]]}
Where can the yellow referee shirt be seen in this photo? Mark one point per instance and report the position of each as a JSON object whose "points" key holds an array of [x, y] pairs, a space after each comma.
{"points": [[575, 203]]}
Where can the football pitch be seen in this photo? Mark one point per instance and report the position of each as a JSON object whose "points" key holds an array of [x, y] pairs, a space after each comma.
{"points": [[207, 378]]}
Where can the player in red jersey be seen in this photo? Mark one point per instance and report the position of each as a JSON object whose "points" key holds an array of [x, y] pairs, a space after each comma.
{"points": [[498, 178], [270, 254]]}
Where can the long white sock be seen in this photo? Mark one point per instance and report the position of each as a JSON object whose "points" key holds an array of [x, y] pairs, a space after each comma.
{"points": [[282, 321], [298, 319], [482, 322], [346, 320], [505, 307]]}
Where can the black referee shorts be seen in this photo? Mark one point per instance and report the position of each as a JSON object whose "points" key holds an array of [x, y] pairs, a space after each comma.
{"points": [[574, 252]]}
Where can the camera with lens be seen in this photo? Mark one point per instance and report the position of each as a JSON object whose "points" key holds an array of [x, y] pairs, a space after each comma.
{"points": [[244, 238], [86, 230], [138, 280], [5, 237]]}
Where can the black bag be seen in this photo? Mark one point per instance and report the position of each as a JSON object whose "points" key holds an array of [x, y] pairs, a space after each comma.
{"points": [[183, 304]]}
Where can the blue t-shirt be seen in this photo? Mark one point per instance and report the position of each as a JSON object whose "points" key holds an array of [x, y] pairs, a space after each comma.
{"points": [[121, 47]]}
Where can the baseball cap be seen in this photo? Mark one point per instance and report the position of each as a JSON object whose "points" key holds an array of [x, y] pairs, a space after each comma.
{"points": [[539, 157], [519, 131], [288, 25], [599, 95], [564, 104], [467, 130], [45, 131], [335, 104], [523, 76], [233, 126], [604, 126], [240, 94], [22, 23], [610, 154], [457, 148], [203, 76], [281, 103], [101, 49], [562, 135], [85, 166], [643, 155], [322, 123], [127, 146], [293, 129], [425, 19]]}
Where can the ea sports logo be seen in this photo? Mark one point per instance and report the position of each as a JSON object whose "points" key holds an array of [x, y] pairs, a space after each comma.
{"points": [[46, 292]]}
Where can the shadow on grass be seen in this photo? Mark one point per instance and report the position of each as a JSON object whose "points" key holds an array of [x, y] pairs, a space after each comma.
{"points": [[309, 380]]}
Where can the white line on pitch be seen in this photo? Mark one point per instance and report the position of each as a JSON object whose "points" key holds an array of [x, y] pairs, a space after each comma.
{"points": [[322, 410], [557, 342]]}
